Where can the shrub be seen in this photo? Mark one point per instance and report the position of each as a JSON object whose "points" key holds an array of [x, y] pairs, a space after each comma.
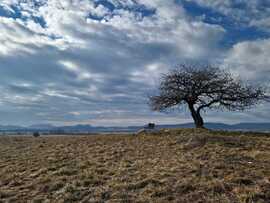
{"points": [[36, 134]]}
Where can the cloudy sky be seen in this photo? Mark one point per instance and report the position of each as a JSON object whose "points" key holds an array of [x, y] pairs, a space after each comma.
{"points": [[95, 61]]}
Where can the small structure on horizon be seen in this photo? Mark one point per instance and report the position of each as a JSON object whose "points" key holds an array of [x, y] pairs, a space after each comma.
{"points": [[36, 134], [150, 126]]}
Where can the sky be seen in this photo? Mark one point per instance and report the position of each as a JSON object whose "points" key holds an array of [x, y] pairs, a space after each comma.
{"points": [[97, 61]]}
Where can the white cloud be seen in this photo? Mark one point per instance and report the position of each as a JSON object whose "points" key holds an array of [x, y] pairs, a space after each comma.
{"points": [[263, 24], [17, 37], [251, 60], [243, 13], [70, 66]]}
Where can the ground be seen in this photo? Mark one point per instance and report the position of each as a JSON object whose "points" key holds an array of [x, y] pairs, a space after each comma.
{"points": [[168, 166]]}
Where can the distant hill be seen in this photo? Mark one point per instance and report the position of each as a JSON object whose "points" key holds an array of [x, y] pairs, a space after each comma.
{"points": [[41, 126], [48, 128], [10, 127]]}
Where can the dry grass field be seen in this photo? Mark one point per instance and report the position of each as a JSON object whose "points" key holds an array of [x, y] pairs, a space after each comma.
{"points": [[169, 166]]}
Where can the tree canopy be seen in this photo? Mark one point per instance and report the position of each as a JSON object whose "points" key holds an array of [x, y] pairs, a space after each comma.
{"points": [[205, 87]]}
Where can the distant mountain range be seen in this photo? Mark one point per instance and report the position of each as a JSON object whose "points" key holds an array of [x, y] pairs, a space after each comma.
{"points": [[48, 128]]}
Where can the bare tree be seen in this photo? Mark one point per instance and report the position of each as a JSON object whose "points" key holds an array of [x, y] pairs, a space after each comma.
{"points": [[205, 87]]}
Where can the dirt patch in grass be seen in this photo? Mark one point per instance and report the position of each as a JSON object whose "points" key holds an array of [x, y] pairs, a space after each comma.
{"points": [[168, 166]]}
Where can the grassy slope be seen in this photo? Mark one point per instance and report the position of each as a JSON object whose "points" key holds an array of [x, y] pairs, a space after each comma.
{"points": [[171, 166]]}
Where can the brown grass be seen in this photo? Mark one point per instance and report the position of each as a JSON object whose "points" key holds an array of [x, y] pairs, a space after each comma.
{"points": [[169, 166]]}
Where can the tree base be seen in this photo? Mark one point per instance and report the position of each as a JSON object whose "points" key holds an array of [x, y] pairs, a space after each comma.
{"points": [[201, 127]]}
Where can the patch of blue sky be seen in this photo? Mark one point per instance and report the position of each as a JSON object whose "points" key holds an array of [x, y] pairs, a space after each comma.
{"points": [[11, 12], [106, 4], [235, 31], [39, 20], [16, 13], [138, 9]]}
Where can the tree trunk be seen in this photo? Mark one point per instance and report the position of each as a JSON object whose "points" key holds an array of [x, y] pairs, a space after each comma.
{"points": [[198, 120]]}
